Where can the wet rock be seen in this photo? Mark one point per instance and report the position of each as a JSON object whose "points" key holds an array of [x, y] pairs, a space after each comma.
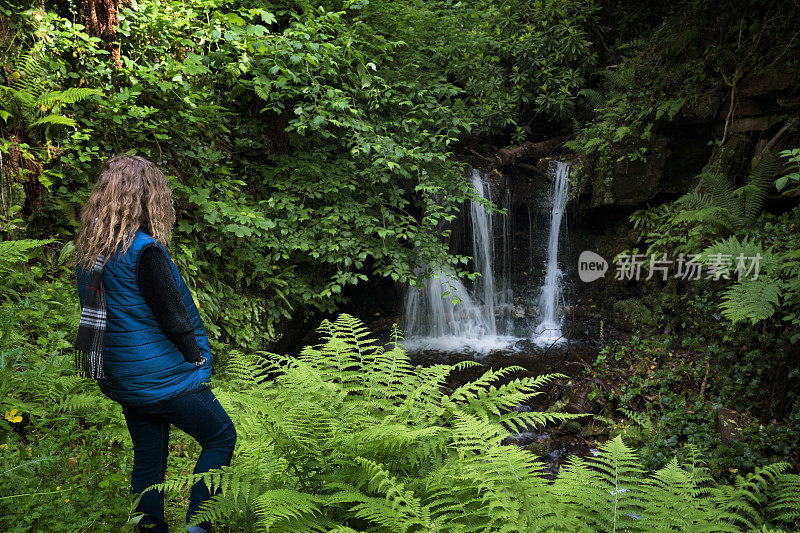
{"points": [[766, 82], [522, 439], [788, 101], [568, 426], [529, 151], [690, 149], [579, 402], [594, 431], [758, 123], [724, 159], [730, 424], [635, 182], [541, 447], [742, 107]]}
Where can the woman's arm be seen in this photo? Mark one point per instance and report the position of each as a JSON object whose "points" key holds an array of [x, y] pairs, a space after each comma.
{"points": [[158, 287]]}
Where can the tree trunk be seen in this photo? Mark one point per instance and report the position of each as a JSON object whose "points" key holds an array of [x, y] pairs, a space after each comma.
{"points": [[529, 151]]}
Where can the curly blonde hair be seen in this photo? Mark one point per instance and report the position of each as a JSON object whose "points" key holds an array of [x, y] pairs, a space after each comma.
{"points": [[131, 193]]}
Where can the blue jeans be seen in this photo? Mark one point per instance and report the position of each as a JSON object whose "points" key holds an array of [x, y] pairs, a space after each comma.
{"points": [[197, 413]]}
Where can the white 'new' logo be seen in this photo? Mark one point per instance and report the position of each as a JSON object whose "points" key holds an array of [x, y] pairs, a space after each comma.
{"points": [[591, 266]]}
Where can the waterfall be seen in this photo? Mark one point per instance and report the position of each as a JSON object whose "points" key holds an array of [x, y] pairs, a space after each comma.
{"points": [[432, 321], [548, 331], [482, 249], [485, 313]]}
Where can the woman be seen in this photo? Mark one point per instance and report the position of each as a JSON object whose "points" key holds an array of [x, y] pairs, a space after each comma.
{"points": [[141, 335]]}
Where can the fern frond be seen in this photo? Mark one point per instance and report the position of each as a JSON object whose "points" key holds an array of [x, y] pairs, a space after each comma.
{"points": [[12, 252], [759, 182], [695, 200], [594, 98], [751, 299], [58, 120], [703, 208], [283, 505], [29, 64], [718, 204], [743, 250], [783, 502], [68, 96]]}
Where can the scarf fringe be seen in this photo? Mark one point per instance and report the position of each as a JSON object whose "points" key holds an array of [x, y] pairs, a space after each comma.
{"points": [[89, 365]]}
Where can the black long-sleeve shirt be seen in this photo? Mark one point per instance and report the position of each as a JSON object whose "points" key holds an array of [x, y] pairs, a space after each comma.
{"points": [[158, 287]]}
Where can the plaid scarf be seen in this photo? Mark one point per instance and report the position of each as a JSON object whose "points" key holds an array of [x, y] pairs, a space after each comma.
{"points": [[92, 328]]}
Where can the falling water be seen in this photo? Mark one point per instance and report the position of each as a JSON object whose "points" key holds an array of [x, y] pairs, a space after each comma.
{"points": [[548, 331], [433, 321], [482, 249]]}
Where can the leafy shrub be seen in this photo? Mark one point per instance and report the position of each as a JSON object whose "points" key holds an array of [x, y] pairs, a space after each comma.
{"points": [[59, 436]]}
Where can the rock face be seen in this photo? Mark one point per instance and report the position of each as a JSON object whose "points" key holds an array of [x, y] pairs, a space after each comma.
{"points": [[747, 120], [636, 182], [765, 83], [730, 424]]}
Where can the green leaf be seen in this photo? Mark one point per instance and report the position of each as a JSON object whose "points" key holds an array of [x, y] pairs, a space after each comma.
{"points": [[55, 119]]}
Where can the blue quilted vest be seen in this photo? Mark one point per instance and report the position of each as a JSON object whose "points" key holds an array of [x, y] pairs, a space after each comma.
{"points": [[142, 365]]}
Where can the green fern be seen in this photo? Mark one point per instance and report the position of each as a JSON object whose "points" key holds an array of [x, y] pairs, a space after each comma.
{"points": [[13, 252], [29, 104], [759, 182], [751, 300], [755, 295], [19, 99], [54, 120], [611, 493], [71, 95], [718, 205], [350, 436], [594, 98]]}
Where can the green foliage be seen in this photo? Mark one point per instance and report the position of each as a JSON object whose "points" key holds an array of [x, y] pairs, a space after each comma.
{"points": [[757, 294], [518, 62], [66, 446], [27, 103], [349, 433], [668, 388], [730, 342], [614, 494], [63, 443], [29, 82], [677, 66], [310, 147], [719, 206], [12, 252], [751, 300], [33, 113], [793, 157], [310, 144], [349, 436], [17, 279], [637, 313], [765, 276]]}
